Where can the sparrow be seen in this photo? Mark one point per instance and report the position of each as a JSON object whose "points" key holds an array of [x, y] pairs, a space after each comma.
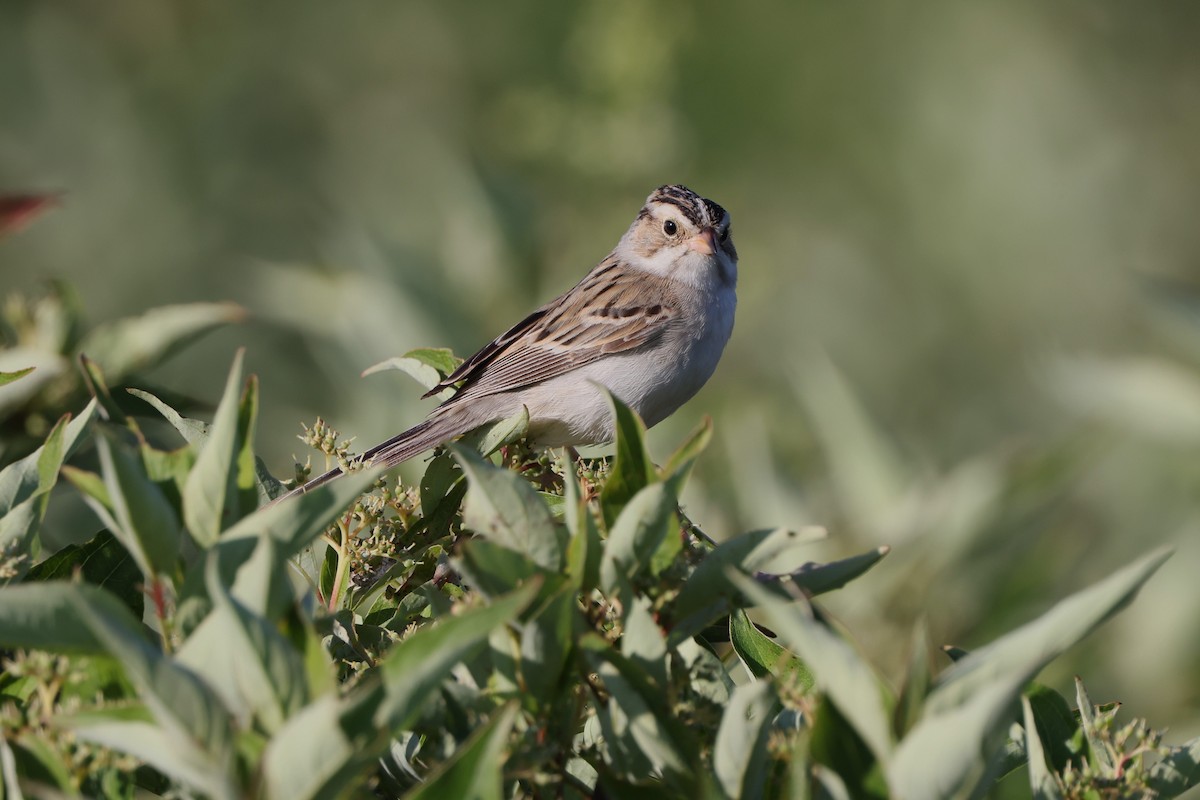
{"points": [[648, 323]]}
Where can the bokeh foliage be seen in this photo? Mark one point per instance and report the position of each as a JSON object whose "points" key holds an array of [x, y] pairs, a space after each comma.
{"points": [[968, 240]]}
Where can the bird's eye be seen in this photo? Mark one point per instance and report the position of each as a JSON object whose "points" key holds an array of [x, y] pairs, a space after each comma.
{"points": [[670, 228], [724, 234]]}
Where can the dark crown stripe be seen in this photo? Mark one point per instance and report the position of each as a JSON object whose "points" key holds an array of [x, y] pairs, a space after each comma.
{"points": [[698, 210]]}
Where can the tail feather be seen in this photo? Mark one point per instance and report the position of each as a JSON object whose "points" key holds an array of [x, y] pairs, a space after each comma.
{"points": [[401, 447]]}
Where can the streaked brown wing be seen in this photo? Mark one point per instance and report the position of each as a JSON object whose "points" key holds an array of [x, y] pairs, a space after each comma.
{"points": [[471, 368], [609, 311]]}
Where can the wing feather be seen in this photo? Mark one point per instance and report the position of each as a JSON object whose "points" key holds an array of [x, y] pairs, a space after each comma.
{"points": [[612, 310]]}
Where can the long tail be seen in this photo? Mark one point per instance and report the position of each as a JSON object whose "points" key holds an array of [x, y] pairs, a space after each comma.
{"points": [[401, 447]]}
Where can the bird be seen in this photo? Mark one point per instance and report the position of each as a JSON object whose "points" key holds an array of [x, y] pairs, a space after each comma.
{"points": [[648, 323]]}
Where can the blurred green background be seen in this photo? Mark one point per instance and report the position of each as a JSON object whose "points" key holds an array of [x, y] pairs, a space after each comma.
{"points": [[968, 233]]}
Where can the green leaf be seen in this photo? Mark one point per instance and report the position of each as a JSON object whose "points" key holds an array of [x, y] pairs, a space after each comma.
{"points": [[680, 464], [242, 655], [476, 770], [1177, 771], [972, 697], [740, 751], [138, 343], [841, 674], [356, 729], [1027, 649], [584, 550], [487, 439], [1041, 781], [1098, 755], [641, 736], [9, 377], [1056, 725], [179, 701], [836, 747], [102, 562], [494, 569], [645, 521], [942, 749], [262, 584], [212, 484], [546, 640], [245, 472], [642, 641], [193, 431], [66, 617], [293, 523], [42, 367], [151, 744], [35, 760], [761, 655], [708, 595], [93, 376], [632, 468], [428, 366], [39, 615], [442, 491], [25, 484], [817, 579], [145, 521], [504, 508]]}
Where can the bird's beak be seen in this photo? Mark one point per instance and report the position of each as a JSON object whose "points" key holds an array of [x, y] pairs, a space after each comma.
{"points": [[704, 242]]}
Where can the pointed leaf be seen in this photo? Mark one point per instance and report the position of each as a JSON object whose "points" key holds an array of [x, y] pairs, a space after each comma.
{"points": [[146, 522], [972, 698], [293, 523], [632, 468], [1027, 649], [1041, 782], [356, 729], [193, 431], [487, 439], [763, 656], [211, 485], [641, 736], [841, 674], [943, 749], [708, 595], [1177, 771], [102, 562], [476, 770], [645, 521], [1097, 754], [151, 744], [740, 751], [93, 377], [817, 579], [680, 464], [243, 657], [428, 366], [504, 508], [35, 473], [584, 550], [546, 640], [9, 377]]}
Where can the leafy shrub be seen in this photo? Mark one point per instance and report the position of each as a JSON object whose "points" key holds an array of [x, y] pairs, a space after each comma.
{"points": [[515, 625]]}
